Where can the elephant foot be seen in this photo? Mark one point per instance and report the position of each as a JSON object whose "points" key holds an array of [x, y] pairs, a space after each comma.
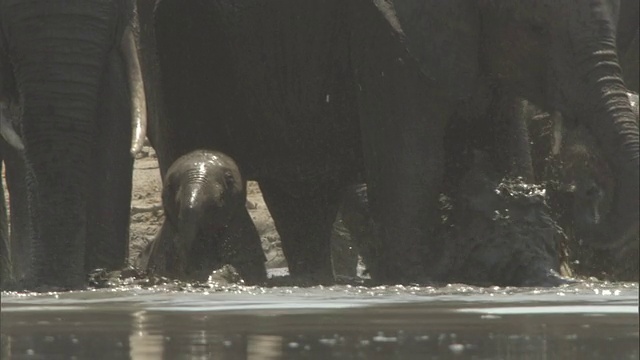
{"points": [[546, 278], [304, 222], [242, 248], [502, 234], [299, 281]]}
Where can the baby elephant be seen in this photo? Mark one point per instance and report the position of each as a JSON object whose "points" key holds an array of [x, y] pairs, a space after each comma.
{"points": [[206, 222], [568, 156]]}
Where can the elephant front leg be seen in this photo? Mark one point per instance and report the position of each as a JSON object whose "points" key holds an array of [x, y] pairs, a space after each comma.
{"points": [[402, 124], [18, 208], [5, 251], [111, 177], [404, 189], [508, 137], [304, 224], [403, 113]]}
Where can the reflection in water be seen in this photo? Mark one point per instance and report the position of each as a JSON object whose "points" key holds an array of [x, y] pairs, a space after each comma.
{"points": [[309, 324], [142, 344], [267, 347]]}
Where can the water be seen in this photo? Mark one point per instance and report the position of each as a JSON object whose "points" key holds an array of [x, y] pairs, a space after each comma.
{"points": [[588, 320]]}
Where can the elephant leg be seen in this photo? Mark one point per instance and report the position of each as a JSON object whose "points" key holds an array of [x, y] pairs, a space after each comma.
{"points": [[243, 248], [18, 205], [111, 179], [508, 141], [5, 250], [344, 253], [154, 257], [304, 224], [357, 219], [404, 187], [403, 119]]}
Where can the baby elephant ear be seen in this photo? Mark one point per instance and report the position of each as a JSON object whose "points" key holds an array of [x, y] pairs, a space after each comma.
{"points": [[231, 182]]}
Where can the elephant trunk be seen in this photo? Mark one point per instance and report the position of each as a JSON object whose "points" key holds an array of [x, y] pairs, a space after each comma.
{"points": [[191, 215], [59, 53], [609, 115]]}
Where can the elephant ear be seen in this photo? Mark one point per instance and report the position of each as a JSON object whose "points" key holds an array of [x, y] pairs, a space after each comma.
{"points": [[170, 188]]}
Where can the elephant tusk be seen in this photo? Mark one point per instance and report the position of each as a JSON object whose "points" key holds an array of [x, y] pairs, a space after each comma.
{"points": [[7, 131], [136, 88]]}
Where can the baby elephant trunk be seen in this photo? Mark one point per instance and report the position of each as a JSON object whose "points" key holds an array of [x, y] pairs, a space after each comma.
{"points": [[194, 215]]}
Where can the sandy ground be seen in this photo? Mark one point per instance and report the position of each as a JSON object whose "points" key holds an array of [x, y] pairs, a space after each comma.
{"points": [[147, 213]]}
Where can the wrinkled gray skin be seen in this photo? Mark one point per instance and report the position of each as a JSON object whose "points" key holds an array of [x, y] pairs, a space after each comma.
{"points": [[282, 79], [66, 75], [206, 222], [628, 34]]}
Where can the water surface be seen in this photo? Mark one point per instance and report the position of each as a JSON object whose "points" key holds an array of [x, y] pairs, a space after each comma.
{"points": [[588, 320]]}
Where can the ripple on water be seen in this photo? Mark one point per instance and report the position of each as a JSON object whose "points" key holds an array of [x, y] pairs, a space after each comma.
{"points": [[234, 297], [587, 320]]}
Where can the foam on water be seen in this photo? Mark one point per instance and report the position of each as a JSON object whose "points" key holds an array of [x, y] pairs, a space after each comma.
{"points": [[617, 297]]}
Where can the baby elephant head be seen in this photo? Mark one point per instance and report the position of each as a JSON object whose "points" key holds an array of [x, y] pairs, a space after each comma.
{"points": [[202, 192]]}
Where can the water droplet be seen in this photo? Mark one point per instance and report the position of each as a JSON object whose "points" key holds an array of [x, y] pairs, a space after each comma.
{"points": [[456, 348], [328, 342]]}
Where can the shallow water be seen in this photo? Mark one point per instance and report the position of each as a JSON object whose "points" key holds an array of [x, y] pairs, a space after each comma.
{"points": [[588, 320]]}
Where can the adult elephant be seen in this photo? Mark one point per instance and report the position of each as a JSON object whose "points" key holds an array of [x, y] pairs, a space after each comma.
{"points": [[581, 187], [545, 147], [75, 78], [522, 140], [561, 55], [273, 84]]}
